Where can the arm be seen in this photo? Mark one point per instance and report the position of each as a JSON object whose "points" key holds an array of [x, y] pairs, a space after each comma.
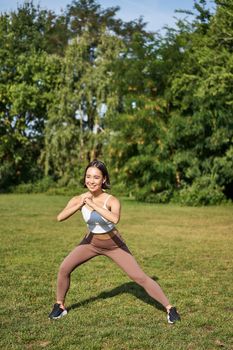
{"points": [[112, 215], [72, 207]]}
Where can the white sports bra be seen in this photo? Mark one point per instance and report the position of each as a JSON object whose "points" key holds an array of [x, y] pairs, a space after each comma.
{"points": [[95, 222]]}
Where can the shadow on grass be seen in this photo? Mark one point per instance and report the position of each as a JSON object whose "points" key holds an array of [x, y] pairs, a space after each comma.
{"points": [[130, 287]]}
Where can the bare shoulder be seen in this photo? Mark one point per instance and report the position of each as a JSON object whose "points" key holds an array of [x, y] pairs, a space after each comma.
{"points": [[114, 201]]}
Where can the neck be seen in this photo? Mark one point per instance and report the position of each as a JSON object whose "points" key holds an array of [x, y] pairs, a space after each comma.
{"points": [[97, 193]]}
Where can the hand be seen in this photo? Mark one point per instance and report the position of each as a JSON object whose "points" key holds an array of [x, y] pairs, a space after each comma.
{"points": [[89, 201], [86, 196]]}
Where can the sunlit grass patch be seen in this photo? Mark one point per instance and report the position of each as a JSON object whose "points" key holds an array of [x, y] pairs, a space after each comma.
{"points": [[187, 250]]}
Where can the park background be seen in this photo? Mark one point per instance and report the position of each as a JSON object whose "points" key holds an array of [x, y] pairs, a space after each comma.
{"points": [[157, 108]]}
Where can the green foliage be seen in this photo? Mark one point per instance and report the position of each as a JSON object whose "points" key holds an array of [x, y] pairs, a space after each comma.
{"points": [[25, 99], [49, 186], [72, 134], [201, 125], [202, 191], [27, 79], [147, 195], [156, 108], [89, 16], [39, 186]]}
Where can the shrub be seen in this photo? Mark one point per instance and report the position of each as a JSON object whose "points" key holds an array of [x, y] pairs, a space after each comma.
{"points": [[39, 186], [203, 191], [146, 195]]}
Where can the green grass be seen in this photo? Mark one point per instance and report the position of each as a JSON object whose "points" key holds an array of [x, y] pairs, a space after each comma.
{"points": [[187, 250]]}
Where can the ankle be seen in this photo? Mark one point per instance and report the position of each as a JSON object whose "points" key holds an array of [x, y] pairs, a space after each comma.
{"points": [[168, 307], [62, 306]]}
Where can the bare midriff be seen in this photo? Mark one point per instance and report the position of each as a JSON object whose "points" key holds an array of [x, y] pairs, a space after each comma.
{"points": [[107, 235]]}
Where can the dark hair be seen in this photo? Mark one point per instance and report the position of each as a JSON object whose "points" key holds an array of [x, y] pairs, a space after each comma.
{"points": [[102, 167]]}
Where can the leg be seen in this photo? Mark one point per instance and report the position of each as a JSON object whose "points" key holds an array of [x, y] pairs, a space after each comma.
{"points": [[78, 256], [129, 265]]}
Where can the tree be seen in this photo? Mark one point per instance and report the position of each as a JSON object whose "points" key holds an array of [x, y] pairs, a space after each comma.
{"points": [[200, 126], [27, 79], [178, 142], [88, 16], [75, 119], [138, 148]]}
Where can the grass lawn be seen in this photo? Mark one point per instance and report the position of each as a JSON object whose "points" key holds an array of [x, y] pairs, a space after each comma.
{"points": [[187, 250]]}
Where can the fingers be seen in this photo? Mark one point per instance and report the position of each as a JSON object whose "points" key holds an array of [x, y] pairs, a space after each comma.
{"points": [[86, 196], [87, 200]]}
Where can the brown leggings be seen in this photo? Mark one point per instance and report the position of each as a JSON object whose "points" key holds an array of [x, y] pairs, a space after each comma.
{"points": [[114, 248]]}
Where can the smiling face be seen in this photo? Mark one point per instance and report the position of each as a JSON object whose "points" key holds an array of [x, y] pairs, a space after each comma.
{"points": [[94, 179]]}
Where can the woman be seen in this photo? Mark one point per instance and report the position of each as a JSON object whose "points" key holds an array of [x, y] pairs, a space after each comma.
{"points": [[101, 212]]}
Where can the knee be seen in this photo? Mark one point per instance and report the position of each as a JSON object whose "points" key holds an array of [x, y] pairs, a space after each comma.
{"points": [[140, 279], [63, 270]]}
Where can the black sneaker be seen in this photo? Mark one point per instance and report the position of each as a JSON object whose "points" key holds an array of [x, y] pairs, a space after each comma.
{"points": [[57, 312], [172, 315]]}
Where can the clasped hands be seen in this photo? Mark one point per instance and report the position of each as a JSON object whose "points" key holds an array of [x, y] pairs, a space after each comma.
{"points": [[88, 200]]}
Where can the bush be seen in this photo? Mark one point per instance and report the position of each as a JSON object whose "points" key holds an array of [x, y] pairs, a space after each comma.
{"points": [[7, 172], [49, 186], [65, 191], [39, 186], [203, 191], [22, 188], [146, 195]]}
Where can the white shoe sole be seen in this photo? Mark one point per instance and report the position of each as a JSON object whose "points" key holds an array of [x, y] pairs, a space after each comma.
{"points": [[170, 322]]}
